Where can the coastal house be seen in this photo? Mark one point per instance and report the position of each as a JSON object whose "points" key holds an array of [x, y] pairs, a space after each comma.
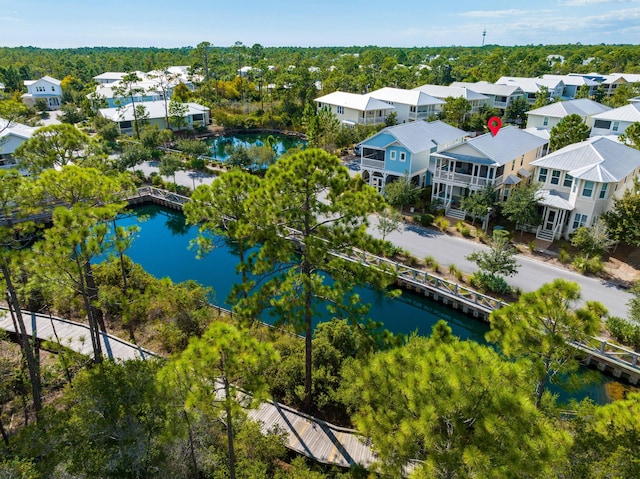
{"points": [[195, 116], [353, 109], [611, 82], [12, 135], [501, 161], [500, 96], [616, 121], [153, 86], [573, 83], [550, 115], [531, 86], [405, 149], [476, 100], [580, 181], [46, 89], [410, 105]]}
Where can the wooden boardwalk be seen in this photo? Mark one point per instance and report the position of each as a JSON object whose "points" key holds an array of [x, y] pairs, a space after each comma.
{"points": [[312, 437], [72, 335]]}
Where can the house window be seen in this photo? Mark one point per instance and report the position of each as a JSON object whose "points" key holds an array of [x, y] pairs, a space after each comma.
{"points": [[125, 124], [340, 110], [403, 156], [392, 155], [616, 125], [568, 179], [587, 189], [545, 121], [603, 191], [198, 117], [53, 89], [605, 125], [542, 175], [579, 220], [412, 109], [505, 194], [555, 177]]}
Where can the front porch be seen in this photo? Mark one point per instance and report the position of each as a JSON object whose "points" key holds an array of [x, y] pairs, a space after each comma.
{"points": [[555, 213]]}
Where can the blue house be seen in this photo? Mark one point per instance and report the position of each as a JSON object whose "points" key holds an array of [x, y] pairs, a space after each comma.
{"points": [[405, 149]]}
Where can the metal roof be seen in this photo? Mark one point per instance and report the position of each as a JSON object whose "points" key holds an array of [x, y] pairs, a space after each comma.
{"points": [[440, 91], [597, 159], [486, 88], [555, 199], [407, 97], [416, 136], [155, 109], [629, 113], [530, 85], [510, 143], [354, 101], [582, 106], [572, 80]]}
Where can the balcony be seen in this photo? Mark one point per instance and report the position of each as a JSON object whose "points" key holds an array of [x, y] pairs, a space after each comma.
{"points": [[372, 163], [461, 179]]}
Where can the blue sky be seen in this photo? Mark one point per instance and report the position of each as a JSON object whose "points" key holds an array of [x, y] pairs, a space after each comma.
{"points": [[399, 23]]}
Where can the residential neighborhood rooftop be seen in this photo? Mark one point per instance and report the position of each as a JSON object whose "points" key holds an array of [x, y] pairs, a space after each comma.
{"points": [[560, 109], [408, 97], [597, 159], [354, 101], [629, 113]]}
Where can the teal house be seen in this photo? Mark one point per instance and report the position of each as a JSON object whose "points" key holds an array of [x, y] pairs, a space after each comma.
{"points": [[406, 149]]}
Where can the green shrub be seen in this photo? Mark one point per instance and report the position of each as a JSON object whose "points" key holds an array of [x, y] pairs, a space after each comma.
{"points": [[532, 246], [585, 265], [442, 223], [429, 261], [487, 282], [624, 331], [481, 235], [156, 180], [564, 256], [426, 219], [465, 231], [501, 234]]}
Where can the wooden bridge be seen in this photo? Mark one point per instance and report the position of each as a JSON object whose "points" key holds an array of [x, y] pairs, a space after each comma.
{"points": [[312, 437]]}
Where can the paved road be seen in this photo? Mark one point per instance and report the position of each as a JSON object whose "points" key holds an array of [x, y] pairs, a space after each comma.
{"points": [[531, 275]]}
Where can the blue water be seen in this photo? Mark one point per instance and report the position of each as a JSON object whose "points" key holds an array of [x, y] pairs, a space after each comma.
{"points": [[163, 249], [283, 143]]}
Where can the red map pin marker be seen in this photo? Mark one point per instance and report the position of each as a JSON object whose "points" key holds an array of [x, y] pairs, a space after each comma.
{"points": [[494, 125]]}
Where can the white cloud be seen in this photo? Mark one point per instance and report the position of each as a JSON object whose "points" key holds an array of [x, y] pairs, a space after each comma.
{"points": [[581, 3]]}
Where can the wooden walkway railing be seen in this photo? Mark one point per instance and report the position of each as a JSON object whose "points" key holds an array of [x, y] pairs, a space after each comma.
{"points": [[312, 437]]}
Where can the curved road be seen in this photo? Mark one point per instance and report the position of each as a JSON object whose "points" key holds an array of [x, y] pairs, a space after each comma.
{"points": [[532, 274]]}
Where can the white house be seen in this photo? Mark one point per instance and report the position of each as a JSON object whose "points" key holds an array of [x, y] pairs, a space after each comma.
{"points": [[12, 135], [352, 109], [195, 116], [614, 80], [110, 77], [411, 105], [443, 92], [531, 86], [500, 161], [550, 115], [580, 181], [151, 87], [46, 88], [500, 96], [405, 148], [615, 121], [572, 84]]}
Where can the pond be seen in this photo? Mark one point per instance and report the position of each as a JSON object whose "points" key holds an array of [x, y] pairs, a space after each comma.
{"points": [[279, 142], [163, 249]]}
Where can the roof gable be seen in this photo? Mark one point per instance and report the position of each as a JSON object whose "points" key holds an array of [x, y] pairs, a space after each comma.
{"points": [[354, 101], [597, 159]]}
